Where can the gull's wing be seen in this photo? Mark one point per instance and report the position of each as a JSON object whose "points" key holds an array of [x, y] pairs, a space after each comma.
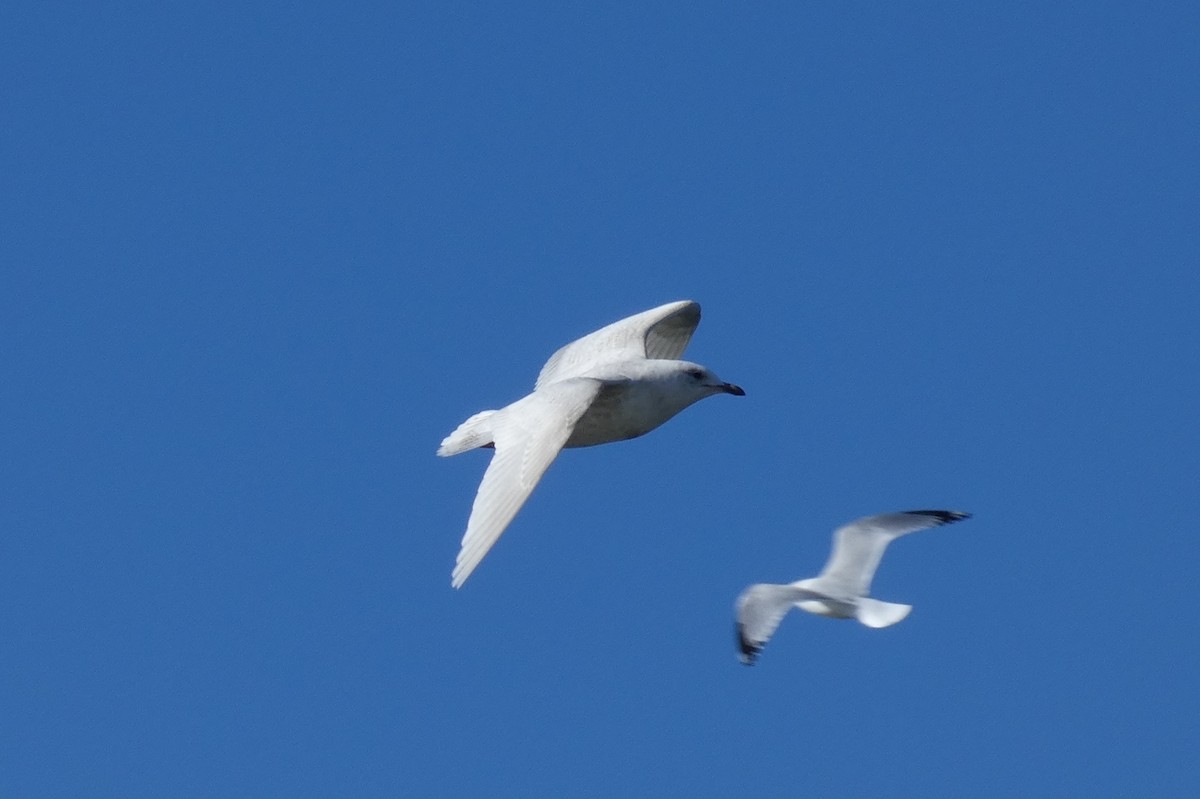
{"points": [[760, 608], [661, 332], [528, 436], [858, 546]]}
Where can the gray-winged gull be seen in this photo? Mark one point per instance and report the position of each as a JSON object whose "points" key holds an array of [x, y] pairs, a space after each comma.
{"points": [[841, 589]]}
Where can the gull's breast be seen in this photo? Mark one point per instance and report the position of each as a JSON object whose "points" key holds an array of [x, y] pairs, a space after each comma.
{"points": [[622, 410], [827, 607]]}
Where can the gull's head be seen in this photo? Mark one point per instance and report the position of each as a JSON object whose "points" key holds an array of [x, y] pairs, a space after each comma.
{"points": [[704, 381]]}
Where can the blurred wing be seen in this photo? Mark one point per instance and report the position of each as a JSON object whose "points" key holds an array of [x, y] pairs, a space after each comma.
{"points": [[528, 437], [662, 332], [858, 546], [760, 608]]}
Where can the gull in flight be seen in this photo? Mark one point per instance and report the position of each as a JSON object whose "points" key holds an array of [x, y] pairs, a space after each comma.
{"points": [[841, 590], [620, 382]]}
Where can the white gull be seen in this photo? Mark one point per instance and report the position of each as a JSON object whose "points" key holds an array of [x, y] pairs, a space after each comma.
{"points": [[620, 382], [841, 590]]}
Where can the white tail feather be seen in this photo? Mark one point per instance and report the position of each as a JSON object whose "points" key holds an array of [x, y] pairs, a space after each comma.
{"points": [[473, 433], [876, 613]]}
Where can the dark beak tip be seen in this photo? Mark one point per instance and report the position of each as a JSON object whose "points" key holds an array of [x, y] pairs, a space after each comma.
{"points": [[736, 391]]}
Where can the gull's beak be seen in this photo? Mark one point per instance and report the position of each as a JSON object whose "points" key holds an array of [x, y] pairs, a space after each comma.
{"points": [[730, 388]]}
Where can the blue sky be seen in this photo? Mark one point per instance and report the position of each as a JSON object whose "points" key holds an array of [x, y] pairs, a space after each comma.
{"points": [[260, 258]]}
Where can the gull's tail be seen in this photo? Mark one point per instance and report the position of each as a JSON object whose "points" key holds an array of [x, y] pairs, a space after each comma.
{"points": [[475, 432], [877, 613]]}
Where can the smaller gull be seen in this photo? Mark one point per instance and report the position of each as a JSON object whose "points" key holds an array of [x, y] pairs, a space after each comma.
{"points": [[841, 590], [620, 382]]}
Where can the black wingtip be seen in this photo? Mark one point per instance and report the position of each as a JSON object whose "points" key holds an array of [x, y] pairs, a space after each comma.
{"points": [[749, 649], [943, 516]]}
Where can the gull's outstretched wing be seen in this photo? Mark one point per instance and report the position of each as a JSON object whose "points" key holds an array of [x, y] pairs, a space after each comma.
{"points": [[662, 332], [759, 610], [859, 545], [528, 436]]}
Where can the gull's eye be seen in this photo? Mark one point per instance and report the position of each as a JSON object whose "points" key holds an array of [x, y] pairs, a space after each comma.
{"points": [[695, 374]]}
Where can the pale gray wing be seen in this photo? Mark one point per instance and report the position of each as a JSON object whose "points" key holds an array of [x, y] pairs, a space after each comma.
{"points": [[662, 332], [859, 545], [528, 436], [759, 610]]}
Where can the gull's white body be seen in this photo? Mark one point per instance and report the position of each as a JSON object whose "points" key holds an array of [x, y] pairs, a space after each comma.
{"points": [[842, 589], [619, 382]]}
